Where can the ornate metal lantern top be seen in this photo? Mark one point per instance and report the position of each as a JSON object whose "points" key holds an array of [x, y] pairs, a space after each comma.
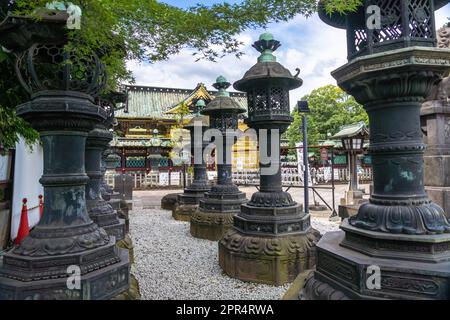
{"points": [[223, 103], [267, 85], [267, 69], [45, 26], [198, 118], [403, 23], [42, 62], [45, 67]]}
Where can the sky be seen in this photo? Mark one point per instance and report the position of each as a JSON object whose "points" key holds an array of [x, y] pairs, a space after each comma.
{"points": [[306, 43]]}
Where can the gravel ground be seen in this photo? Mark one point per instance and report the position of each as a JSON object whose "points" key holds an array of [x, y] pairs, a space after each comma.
{"points": [[173, 265]]}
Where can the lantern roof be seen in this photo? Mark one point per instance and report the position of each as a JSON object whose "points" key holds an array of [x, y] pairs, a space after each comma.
{"points": [[223, 102], [18, 33], [338, 20], [267, 67], [352, 130]]}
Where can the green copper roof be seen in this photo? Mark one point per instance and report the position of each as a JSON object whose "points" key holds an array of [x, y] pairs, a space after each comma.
{"points": [[154, 102], [352, 130]]}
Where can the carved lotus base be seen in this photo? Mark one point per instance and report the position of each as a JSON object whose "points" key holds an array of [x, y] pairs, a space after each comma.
{"points": [[425, 217], [270, 260], [51, 266], [45, 241], [168, 201], [210, 225], [100, 284], [342, 273], [183, 212]]}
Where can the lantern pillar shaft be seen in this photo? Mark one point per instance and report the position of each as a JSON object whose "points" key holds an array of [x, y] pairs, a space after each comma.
{"points": [[271, 233], [271, 182]]}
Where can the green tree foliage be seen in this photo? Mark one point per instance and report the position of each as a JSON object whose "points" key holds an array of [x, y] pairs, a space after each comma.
{"points": [[11, 95], [120, 30], [331, 108]]}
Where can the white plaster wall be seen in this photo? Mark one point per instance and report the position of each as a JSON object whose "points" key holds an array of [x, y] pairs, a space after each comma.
{"points": [[27, 172]]}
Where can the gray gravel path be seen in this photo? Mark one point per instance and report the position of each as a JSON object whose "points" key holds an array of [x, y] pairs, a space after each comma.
{"points": [[173, 265]]}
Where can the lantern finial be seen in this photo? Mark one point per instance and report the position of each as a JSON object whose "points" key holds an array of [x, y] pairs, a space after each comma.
{"points": [[199, 106], [266, 45], [222, 85]]}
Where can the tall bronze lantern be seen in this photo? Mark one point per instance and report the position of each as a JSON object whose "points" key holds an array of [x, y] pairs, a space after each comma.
{"points": [[62, 108], [188, 201], [217, 209], [397, 246], [272, 239]]}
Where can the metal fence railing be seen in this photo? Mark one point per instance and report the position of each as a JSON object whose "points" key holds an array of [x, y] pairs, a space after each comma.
{"points": [[290, 177]]}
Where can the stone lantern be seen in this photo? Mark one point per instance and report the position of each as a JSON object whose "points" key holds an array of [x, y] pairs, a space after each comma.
{"points": [[352, 137], [397, 246], [66, 241], [272, 240], [188, 201], [218, 207]]}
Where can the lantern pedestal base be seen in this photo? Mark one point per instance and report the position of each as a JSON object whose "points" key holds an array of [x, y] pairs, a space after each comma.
{"points": [[187, 204], [168, 201], [411, 266], [210, 225], [271, 260], [101, 284], [183, 212], [216, 212]]}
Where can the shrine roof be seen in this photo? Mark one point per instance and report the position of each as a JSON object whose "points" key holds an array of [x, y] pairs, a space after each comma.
{"points": [[163, 103], [352, 130]]}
